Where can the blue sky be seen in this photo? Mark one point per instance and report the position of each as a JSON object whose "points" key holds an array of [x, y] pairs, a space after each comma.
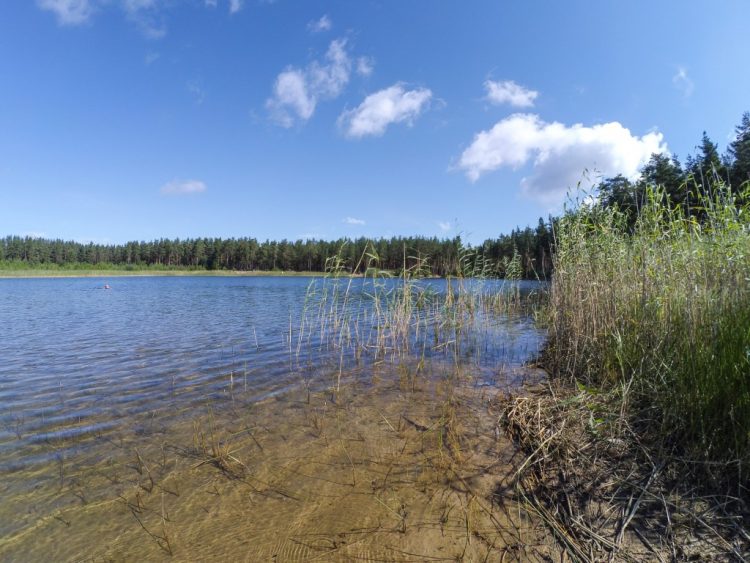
{"points": [[139, 119]]}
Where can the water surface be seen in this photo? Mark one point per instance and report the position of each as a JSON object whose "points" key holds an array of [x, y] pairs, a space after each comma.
{"points": [[91, 375]]}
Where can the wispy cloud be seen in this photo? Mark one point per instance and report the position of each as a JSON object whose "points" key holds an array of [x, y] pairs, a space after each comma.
{"points": [[93, 240], [323, 24], [196, 91], [183, 187], [391, 105], [682, 82], [353, 221], [508, 92], [311, 236], [68, 12], [365, 66], [235, 6], [558, 153], [147, 15], [34, 234], [151, 58], [445, 226], [297, 91]]}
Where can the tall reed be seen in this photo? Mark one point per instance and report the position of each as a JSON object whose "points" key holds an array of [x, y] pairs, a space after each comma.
{"points": [[660, 313], [386, 315]]}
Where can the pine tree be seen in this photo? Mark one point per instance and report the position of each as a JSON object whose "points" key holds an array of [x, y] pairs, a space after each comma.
{"points": [[739, 154]]}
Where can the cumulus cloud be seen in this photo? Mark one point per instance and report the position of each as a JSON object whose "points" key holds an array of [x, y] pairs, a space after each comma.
{"points": [[508, 92], [377, 111], [297, 91], [323, 24], [559, 154], [68, 12], [353, 221], [183, 187], [365, 66], [682, 82]]}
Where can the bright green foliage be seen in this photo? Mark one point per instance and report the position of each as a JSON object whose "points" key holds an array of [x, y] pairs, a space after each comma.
{"points": [[661, 312]]}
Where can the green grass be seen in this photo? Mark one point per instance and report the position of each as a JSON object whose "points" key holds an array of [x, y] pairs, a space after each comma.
{"points": [[660, 313]]}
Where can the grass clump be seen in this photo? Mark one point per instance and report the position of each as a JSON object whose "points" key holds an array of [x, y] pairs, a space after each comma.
{"points": [[659, 313]]}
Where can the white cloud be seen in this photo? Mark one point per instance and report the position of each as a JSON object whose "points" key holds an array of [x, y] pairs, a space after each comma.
{"points": [[93, 240], [323, 24], [444, 226], [353, 221], [378, 110], [146, 15], [151, 58], [559, 153], [311, 236], [183, 187], [365, 66], [235, 6], [508, 92], [196, 91], [297, 92], [682, 82], [68, 12], [34, 234]]}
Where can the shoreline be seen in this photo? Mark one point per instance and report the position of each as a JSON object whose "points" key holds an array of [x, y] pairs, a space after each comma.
{"points": [[50, 274]]}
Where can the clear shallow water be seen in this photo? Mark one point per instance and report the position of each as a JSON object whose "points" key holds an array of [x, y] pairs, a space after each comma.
{"points": [[79, 362], [114, 402]]}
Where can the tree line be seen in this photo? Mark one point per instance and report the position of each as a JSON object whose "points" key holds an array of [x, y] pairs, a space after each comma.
{"points": [[524, 250], [522, 253], [685, 184]]}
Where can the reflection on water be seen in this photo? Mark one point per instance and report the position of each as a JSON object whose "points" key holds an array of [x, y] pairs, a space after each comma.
{"points": [[112, 399]]}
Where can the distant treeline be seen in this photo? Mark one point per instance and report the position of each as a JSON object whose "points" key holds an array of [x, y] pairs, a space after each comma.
{"points": [[686, 184], [524, 251]]}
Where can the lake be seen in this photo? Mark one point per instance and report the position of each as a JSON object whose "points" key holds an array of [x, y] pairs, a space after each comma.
{"points": [[121, 408]]}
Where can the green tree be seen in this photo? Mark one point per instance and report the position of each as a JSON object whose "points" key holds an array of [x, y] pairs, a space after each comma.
{"points": [[739, 154]]}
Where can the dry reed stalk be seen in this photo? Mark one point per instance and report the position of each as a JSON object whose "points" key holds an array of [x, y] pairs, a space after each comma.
{"points": [[602, 493]]}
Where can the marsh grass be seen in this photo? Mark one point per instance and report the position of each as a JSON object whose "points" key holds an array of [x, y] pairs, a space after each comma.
{"points": [[381, 316], [639, 447], [661, 315]]}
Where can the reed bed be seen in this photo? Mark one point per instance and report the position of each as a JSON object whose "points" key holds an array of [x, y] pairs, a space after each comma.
{"points": [[662, 314], [640, 447], [383, 316]]}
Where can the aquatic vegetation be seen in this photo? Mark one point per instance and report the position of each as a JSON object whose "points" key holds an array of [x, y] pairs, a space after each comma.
{"points": [[382, 316]]}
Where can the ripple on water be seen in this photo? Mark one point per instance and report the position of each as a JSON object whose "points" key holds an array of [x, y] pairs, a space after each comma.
{"points": [[87, 374]]}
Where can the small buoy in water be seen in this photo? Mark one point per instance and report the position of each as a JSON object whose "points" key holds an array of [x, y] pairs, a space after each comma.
{"points": [[106, 286]]}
